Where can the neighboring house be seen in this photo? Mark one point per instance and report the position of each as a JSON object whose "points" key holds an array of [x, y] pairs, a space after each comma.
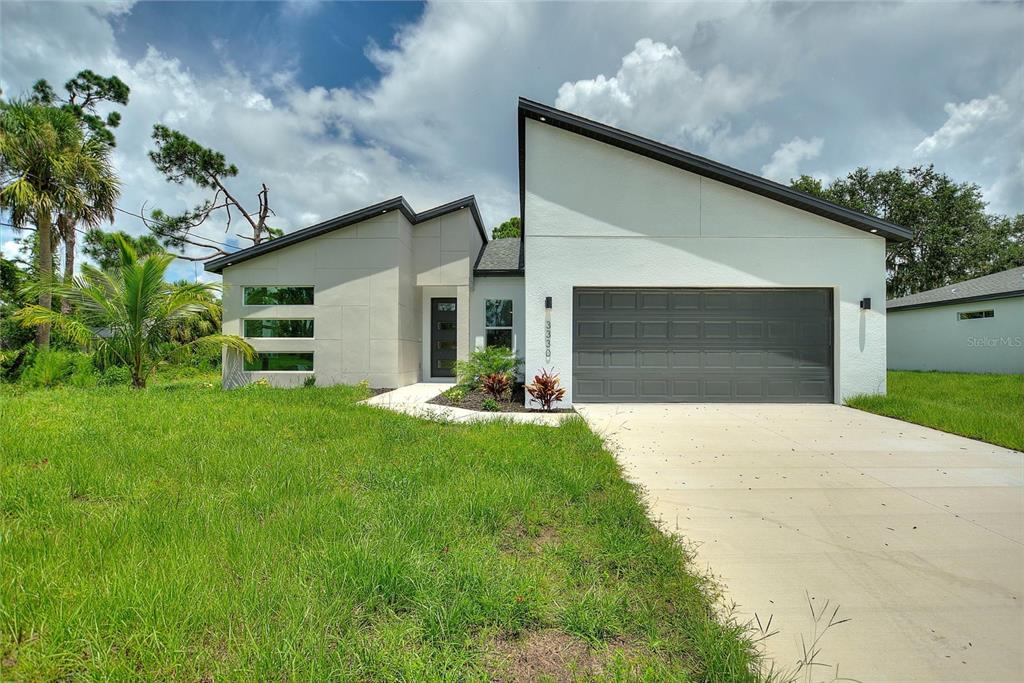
{"points": [[971, 326], [644, 273]]}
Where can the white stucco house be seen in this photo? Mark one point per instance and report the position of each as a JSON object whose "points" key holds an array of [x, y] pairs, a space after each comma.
{"points": [[643, 274], [971, 326]]}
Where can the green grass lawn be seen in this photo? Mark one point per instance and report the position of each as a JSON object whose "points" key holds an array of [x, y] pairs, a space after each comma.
{"points": [[189, 533], [986, 407]]}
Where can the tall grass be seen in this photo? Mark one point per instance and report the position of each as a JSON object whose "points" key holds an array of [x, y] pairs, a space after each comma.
{"points": [[184, 532], [985, 407]]}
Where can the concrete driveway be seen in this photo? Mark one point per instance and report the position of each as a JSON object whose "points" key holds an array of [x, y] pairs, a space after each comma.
{"points": [[918, 535]]}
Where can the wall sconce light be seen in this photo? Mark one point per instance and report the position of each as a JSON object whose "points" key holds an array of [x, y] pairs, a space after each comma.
{"points": [[547, 302], [865, 304]]}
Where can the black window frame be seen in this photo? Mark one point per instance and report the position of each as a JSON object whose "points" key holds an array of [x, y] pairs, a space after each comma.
{"points": [[975, 315], [248, 365], [275, 288], [247, 335]]}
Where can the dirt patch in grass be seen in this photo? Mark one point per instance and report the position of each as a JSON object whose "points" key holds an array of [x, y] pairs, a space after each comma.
{"points": [[550, 655], [518, 536], [474, 400]]}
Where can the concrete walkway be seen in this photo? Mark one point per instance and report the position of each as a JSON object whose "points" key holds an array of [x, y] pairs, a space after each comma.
{"points": [[917, 534], [413, 400]]}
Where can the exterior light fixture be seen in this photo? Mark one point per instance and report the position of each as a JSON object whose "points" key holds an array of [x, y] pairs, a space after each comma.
{"points": [[547, 302], [865, 304], [874, 229], [543, 119]]}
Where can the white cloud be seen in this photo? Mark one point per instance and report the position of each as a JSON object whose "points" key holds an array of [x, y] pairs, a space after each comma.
{"points": [[656, 92], [9, 249], [786, 160], [964, 119]]}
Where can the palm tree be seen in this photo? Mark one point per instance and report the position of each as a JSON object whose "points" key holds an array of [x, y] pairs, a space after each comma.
{"points": [[129, 315], [49, 167]]}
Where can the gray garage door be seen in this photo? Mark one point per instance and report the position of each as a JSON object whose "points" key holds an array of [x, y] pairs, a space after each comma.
{"points": [[678, 345]]}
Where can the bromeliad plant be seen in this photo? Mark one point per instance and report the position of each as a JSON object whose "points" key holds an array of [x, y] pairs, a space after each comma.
{"points": [[545, 389], [128, 315]]}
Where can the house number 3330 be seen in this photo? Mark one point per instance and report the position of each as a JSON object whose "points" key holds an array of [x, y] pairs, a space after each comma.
{"points": [[547, 340]]}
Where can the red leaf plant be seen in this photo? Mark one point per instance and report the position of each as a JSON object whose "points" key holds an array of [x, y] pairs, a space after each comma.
{"points": [[496, 384], [545, 389]]}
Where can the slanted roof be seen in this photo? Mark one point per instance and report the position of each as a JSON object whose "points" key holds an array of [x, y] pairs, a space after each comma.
{"points": [[1009, 283], [398, 203], [500, 257], [672, 156]]}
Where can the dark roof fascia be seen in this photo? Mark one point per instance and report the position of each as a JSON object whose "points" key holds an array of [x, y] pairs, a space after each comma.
{"points": [[505, 272], [956, 302], [522, 185], [218, 264], [699, 165]]}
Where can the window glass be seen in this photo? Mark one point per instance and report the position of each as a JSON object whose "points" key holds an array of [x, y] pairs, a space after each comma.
{"points": [[974, 315], [498, 313], [498, 322], [279, 328], [500, 337], [446, 306], [281, 362], [445, 345], [277, 296], [445, 325]]}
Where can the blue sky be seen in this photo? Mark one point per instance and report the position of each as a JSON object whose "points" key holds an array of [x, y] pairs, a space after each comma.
{"points": [[324, 43], [338, 105]]}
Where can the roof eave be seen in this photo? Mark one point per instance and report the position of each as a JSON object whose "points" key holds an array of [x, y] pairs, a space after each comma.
{"points": [[218, 264], [955, 302], [495, 272], [700, 165]]}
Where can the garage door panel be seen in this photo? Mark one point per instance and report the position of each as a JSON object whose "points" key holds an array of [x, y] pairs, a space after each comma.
{"points": [[702, 345]]}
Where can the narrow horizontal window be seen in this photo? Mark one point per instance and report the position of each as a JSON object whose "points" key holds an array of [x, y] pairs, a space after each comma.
{"points": [[446, 325], [974, 315], [447, 307], [445, 345], [279, 328], [277, 296], [280, 362]]}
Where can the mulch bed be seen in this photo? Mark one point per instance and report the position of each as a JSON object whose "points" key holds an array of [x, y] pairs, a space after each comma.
{"points": [[474, 400]]}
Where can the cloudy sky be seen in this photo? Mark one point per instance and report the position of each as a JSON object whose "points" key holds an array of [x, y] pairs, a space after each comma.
{"points": [[336, 106]]}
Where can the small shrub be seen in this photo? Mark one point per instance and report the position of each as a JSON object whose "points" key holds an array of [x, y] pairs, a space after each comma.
{"points": [[484, 362], [454, 394], [497, 384], [545, 389], [490, 405], [83, 372], [115, 376], [52, 368], [309, 382]]}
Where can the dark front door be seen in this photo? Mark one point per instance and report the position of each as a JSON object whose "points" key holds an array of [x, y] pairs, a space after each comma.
{"points": [[443, 340], [678, 345]]}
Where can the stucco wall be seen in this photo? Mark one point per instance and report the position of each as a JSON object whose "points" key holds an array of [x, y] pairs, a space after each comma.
{"points": [[934, 338], [368, 306], [498, 288], [600, 216]]}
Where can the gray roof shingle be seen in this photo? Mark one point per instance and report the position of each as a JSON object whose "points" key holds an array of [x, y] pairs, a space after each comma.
{"points": [[499, 255], [999, 285]]}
